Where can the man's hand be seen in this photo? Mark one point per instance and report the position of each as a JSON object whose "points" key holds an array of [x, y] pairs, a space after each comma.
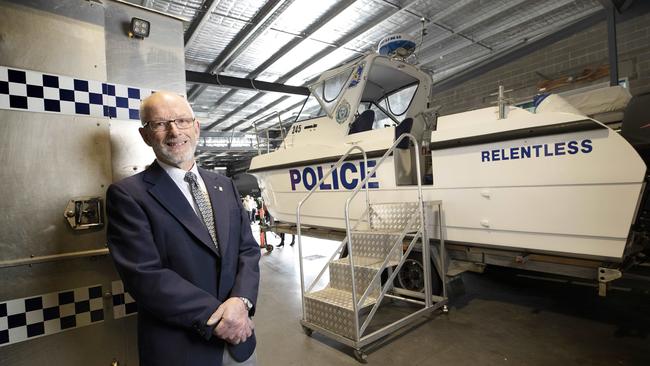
{"points": [[234, 324]]}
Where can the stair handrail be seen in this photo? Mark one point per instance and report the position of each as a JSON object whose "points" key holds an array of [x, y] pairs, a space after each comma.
{"points": [[363, 183], [311, 191]]}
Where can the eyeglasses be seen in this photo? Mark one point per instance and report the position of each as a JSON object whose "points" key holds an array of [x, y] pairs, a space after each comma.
{"points": [[162, 125]]}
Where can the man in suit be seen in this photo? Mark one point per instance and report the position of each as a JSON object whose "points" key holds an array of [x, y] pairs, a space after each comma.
{"points": [[182, 244]]}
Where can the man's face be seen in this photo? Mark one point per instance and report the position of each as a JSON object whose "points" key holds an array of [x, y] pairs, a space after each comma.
{"points": [[171, 145]]}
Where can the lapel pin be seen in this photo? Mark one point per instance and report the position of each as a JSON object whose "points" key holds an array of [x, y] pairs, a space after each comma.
{"points": [[220, 189]]}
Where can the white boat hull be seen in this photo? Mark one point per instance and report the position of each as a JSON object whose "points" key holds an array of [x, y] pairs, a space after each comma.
{"points": [[528, 205]]}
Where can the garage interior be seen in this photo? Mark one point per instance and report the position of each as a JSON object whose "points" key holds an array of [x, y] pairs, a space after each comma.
{"points": [[246, 68]]}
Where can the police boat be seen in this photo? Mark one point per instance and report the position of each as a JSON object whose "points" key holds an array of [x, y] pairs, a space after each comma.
{"points": [[543, 186]]}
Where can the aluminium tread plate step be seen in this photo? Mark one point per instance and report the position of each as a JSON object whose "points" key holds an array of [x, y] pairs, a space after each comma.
{"points": [[365, 270], [332, 309], [369, 244], [338, 298], [365, 262], [376, 232]]}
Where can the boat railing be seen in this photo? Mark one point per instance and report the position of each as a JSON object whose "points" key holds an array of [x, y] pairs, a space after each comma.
{"points": [[267, 141], [308, 195]]}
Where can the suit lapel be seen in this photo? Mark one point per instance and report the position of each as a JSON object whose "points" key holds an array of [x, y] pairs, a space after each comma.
{"points": [[220, 211], [165, 191]]}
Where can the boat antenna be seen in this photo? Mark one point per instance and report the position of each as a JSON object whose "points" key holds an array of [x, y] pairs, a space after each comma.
{"points": [[423, 33]]}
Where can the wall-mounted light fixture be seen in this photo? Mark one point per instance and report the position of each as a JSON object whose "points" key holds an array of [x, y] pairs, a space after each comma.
{"points": [[139, 28]]}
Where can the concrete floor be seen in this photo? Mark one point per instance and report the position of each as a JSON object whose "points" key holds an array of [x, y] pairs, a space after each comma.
{"points": [[500, 318]]}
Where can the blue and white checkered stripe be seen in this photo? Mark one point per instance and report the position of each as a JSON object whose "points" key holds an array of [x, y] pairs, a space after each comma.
{"points": [[123, 304], [40, 92], [42, 315]]}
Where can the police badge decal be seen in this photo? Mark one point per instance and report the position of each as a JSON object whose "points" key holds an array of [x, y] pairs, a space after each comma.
{"points": [[343, 112]]}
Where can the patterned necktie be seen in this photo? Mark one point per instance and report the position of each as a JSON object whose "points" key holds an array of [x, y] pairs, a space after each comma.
{"points": [[203, 202]]}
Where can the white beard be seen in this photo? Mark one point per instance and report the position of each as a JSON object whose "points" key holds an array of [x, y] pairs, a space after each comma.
{"points": [[175, 159]]}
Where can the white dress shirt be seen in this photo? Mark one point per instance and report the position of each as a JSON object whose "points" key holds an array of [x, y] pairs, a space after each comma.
{"points": [[178, 176]]}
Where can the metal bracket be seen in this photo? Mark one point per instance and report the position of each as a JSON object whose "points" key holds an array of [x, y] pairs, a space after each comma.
{"points": [[84, 213], [522, 259], [605, 276]]}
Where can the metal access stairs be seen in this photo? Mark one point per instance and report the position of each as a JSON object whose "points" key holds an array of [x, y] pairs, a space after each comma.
{"points": [[380, 242], [332, 307]]}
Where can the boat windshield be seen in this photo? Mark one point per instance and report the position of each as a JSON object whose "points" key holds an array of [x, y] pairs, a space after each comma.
{"points": [[329, 90], [389, 92], [397, 103], [311, 109]]}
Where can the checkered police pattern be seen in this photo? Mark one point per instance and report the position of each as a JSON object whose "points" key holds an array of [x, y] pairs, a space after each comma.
{"points": [[123, 303], [42, 315], [35, 91]]}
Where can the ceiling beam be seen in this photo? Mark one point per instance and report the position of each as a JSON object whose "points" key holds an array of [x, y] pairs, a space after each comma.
{"points": [[308, 32], [435, 18], [516, 53], [254, 115], [464, 27], [267, 23], [243, 105], [466, 61], [204, 78], [494, 31], [200, 19], [250, 29], [265, 120], [266, 109]]}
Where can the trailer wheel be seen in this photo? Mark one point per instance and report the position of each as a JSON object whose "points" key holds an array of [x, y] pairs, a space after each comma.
{"points": [[308, 331], [361, 356], [411, 275]]}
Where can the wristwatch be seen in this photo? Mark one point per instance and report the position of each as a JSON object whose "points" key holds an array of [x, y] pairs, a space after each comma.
{"points": [[247, 303]]}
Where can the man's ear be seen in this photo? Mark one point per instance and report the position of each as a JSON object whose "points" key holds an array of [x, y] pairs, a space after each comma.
{"points": [[198, 127], [145, 135]]}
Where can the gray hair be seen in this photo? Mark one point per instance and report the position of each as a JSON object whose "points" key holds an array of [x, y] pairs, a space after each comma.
{"points": [[144, 105]]}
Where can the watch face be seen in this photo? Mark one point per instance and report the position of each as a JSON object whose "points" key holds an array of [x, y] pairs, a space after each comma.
{"points": [[247, 303]]}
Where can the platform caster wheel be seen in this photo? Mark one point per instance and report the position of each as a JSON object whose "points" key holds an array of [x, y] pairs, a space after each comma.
{"points": [[308, 331], [445, 309], [269, 247], [361, 356]]}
